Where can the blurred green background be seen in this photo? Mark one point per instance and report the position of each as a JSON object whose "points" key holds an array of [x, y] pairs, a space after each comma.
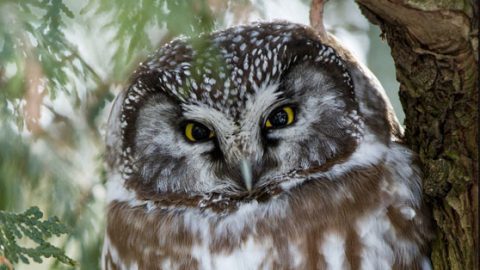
{"points": [[63, 61]]}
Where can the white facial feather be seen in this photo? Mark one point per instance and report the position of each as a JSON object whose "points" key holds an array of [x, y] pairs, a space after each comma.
{"points": [[368, 152]]}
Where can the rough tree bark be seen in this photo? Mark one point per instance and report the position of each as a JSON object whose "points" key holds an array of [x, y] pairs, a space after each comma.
{"points": [[435, 48]]}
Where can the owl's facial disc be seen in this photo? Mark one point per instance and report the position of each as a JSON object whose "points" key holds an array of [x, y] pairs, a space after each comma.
{"points": [[235, 115], [295, 124]]}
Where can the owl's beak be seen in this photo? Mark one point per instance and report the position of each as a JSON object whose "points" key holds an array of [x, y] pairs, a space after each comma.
{"points": [[246, 169]]}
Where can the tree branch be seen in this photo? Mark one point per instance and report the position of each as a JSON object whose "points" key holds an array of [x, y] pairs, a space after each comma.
{"points": [[316, 16]]}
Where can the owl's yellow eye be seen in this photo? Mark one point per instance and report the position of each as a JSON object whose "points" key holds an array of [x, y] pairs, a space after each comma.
{"points": [[280, 118], [196, 132]]}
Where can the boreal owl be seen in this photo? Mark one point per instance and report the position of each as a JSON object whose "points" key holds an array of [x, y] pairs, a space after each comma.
{"points": [[263, 146]]}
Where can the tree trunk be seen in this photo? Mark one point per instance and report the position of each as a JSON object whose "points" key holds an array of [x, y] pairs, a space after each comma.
{"points": [[435, 48]]}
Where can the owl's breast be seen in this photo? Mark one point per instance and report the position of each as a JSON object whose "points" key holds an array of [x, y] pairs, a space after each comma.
{"points": [[284, 233], [367, 217]]}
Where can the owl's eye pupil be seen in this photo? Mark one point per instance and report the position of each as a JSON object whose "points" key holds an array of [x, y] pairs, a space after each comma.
{"points": [[196, 132], [280, 118], [200, 132]]}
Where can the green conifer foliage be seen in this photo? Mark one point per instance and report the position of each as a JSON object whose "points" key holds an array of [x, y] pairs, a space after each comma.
{"points": [[29, 224]]}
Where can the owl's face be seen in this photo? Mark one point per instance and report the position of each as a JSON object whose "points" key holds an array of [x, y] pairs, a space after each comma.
{"points": [[237, 112]]}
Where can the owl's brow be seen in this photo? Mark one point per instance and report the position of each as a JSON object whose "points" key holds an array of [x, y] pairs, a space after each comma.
{"points": [[209, 115]]}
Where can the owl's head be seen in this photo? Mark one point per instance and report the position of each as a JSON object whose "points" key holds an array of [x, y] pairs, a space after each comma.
{"points": [[236, 110]]}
